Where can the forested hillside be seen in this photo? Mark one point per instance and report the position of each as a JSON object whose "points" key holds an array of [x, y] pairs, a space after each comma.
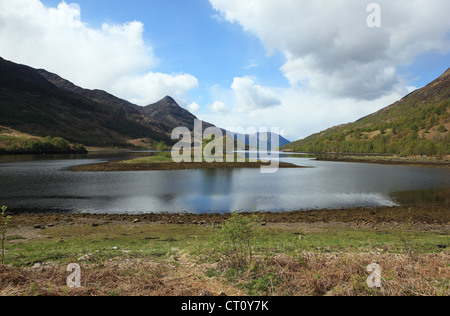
{"points": [[416, 125]]}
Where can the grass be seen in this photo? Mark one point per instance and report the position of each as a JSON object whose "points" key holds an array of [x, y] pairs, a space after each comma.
{"points": [[125, 258], [163, 161], [15, 142], [160, 158], [166, 157], [68, 244]]}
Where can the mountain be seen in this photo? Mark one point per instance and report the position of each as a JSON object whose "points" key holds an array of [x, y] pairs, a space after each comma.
{"points": [[267, 137], [264, 141], [168, 111], [418, 124], [163, 116], [41, 103], [118, 105]]}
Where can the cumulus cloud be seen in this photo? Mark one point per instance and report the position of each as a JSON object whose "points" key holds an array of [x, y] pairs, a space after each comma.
{"points": [[143, 89], [58, 40], [303, 113], [329, 47], [251, 96], [194, 107], [219, 107]]}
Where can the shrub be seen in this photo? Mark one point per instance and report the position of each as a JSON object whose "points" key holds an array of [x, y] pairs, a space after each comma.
{"points": [[441, 129], [4, 219], [236, 239]]}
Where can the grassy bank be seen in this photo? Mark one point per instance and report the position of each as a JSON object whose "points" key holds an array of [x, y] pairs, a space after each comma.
{"points": [[298, 253], [14, 142], [163, 161]]}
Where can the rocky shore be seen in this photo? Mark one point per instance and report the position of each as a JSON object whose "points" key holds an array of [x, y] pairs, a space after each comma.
{"points": [[433, 215]]}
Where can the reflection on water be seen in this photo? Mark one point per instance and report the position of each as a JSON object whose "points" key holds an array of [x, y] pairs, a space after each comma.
{"points": [[30, 182], [423, 198]]}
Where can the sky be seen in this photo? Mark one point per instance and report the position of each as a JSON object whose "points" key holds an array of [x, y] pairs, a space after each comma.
{"points": [[298, 65]]}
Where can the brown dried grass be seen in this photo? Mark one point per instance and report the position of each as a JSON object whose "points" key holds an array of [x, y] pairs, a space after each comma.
{"points": [[309, 274], [121, 278]]}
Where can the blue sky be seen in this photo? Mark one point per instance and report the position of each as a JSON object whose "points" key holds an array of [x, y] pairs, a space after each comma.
{"points": [[301, 66], [188, 36]]}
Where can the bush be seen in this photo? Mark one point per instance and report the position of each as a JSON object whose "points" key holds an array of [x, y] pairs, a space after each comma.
{"points": [[4, 219], [161, 146], [236, 239], [441, 129]]}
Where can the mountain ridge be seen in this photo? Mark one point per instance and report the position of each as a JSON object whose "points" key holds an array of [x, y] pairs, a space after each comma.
{"points": [[30, 103], [41, 103]]}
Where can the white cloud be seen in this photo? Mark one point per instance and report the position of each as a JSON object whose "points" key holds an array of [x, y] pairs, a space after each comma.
{"points": [[58, 40], [302, 113], [251, 96], [145, 89], [219, 107], [194, 107], [329, 47]]}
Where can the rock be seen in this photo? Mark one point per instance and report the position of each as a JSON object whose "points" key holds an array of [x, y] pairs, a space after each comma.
{"points": [[37, 226], [85, 258]]}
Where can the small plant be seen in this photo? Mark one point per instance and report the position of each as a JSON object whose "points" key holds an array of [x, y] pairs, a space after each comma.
{"points": [[161, 146], [236, 240], [441, 129], [4, 219]]}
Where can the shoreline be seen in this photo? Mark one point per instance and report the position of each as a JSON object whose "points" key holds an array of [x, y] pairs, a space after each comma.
{"points": [[121, 166], [372, 216]]}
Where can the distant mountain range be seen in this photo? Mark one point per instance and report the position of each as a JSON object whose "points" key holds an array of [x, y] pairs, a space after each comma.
{"points": [[264, 141], [40, 103], [418, 124]]}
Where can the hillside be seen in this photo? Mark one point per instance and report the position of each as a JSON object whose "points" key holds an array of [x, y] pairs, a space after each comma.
{"points": [[15, 142], [162, 116], [43, 104], [418, 124]]}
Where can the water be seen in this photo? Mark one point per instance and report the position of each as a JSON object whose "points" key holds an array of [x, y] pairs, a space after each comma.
{"points": [[41, 183]]}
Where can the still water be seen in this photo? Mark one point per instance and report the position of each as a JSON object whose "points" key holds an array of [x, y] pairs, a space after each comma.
{"points": [[42, 183]]}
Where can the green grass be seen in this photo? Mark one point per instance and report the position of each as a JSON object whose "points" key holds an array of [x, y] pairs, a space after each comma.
{"points": [[340, 239], [160, 158], [166, 157], [70, 243]]}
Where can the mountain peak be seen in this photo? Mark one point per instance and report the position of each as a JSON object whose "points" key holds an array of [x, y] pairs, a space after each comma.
{"points": [[168, 99]]}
